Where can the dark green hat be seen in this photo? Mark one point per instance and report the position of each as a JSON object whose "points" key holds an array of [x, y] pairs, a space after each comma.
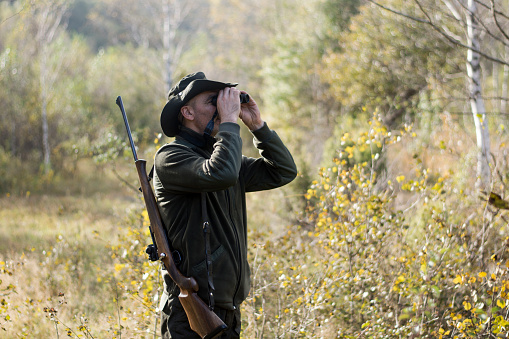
{"points": [[187, 88]]}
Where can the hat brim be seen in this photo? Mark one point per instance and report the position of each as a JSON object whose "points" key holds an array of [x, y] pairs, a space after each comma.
{"points": [[169, 115]]}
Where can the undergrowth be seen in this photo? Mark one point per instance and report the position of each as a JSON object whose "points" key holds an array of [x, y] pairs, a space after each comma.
{"points": [[378, 252]]}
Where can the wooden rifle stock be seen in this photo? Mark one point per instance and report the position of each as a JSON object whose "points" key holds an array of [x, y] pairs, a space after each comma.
{"points": [[201, 319]]}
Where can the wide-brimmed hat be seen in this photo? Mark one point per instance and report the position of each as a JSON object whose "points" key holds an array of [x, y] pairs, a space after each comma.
{"points": [[188, 87]]}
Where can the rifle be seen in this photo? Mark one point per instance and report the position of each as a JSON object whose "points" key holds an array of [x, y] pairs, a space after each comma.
{"points": [[201, 319]]}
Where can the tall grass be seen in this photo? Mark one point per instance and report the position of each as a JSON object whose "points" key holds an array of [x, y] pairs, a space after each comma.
{"points": [[57, 262]]}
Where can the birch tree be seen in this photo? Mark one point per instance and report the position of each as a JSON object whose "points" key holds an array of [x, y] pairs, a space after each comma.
{"points": [[49, 22], [476, 99], [175, 13], [170, 28], [484, 35]]}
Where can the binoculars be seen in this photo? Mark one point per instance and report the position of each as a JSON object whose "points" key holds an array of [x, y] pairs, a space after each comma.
{"points": [[244, 99]]}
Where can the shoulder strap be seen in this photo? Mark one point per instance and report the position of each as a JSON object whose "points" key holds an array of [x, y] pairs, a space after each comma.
{"points": [[208, 256]]}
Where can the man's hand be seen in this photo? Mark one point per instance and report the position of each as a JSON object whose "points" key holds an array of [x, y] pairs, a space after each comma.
{"points": [[228, 104], [250, 114]]}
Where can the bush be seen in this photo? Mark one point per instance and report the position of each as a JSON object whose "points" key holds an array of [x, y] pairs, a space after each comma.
{"points": [[359, 264]]}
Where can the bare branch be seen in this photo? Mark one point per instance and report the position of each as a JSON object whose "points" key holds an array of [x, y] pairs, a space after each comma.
{"points": [[15, 14], [440, 31], [399, 13], [502, 14], [453, 10], [494, 14], [485, 28]]}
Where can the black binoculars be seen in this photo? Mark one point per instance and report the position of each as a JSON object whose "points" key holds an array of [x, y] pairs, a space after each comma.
{"points": [[244, 99]]}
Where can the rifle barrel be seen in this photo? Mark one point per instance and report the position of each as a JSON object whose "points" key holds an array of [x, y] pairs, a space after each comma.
{"points": [[121, 105]]}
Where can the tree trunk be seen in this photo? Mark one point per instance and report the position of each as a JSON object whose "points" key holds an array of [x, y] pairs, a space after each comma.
{"points": [[496, 86], [13, 138], [166, 45], [476, 100], [175, 13], [44, 110], [48, 18], [503, 101]]}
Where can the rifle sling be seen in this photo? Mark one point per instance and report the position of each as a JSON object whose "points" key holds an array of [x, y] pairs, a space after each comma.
{"points": [[208, 256]]}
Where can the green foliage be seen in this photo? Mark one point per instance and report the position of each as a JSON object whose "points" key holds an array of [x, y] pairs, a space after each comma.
{"points": [[339, 13], [386, 61]]}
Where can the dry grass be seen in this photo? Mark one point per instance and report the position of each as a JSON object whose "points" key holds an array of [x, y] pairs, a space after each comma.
{"points": [[55, 251], [60, 255]]}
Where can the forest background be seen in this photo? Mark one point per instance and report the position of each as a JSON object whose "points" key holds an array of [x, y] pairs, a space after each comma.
{"points": [[395, 112]]}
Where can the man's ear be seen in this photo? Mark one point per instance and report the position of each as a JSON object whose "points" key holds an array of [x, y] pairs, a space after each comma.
{"points": [[187, 112]]}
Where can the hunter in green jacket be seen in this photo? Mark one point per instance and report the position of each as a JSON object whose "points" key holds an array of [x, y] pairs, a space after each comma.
{"points": [[206, 157]]}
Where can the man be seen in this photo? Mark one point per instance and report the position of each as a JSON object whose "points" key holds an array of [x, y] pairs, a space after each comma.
{"points": [[203, 169]]}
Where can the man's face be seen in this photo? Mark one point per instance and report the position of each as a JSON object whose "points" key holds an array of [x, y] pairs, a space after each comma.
{"points": [[201, 111]]}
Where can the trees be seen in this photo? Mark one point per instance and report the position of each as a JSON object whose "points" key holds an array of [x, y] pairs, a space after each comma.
{"points": [[48, 24], [170, 28], [54, 83], [384, 61], [485, 38]]}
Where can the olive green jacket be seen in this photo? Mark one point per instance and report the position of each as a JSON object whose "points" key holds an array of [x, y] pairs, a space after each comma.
{"points": [[193, 164]]}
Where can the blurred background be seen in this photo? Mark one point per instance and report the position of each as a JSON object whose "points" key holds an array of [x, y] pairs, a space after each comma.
{"points": [[395, 112]]}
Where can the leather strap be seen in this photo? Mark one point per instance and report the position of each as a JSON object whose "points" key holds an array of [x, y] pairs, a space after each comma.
{"points": [[208, 255], [210, 125]]}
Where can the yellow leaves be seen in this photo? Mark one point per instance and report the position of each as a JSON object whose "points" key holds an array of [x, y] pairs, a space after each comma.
{"points": [[119, 267], [424, 267], [157, 138], [500, 325], [443, 332], [400, 178], [145, 217], [399, 280], [467, 306], [311, 193], [350, 151], [482, 274], [402, 259], [458, 280], [501, 303]]}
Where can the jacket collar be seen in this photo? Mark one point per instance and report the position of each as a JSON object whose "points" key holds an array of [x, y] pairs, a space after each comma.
{"points": [[203, 141]]}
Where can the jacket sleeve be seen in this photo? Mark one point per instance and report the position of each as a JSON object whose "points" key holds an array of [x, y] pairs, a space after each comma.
{"points": [[274, 168], [180, 169]]}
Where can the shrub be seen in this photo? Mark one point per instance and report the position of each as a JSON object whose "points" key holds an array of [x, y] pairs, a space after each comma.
{"points": [[361, 264]]}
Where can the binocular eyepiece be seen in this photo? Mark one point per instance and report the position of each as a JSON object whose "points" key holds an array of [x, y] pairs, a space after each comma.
{"points": [[244, 99]]}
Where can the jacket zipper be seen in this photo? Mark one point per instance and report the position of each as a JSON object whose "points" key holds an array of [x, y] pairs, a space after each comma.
{"points": [[238, 248]]}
